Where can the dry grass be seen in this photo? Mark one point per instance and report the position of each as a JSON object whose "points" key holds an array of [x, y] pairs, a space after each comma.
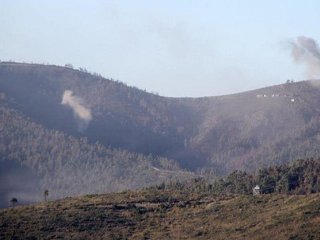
{"points": [[152, 214]]}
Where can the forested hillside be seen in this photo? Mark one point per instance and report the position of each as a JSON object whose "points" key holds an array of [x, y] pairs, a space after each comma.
{"points": [[122, 116], [239, 131], [73, 131], [33, 158]]}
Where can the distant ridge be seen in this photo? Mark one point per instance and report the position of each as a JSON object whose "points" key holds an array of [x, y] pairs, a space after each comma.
{"points": [[186, 137]]}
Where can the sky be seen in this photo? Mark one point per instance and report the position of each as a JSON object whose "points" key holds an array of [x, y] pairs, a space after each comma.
{"points": [[174, 48]]}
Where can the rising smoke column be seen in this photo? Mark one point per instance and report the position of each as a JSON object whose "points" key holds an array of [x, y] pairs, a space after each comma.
{"points": [[306, 51], [80, 111]]}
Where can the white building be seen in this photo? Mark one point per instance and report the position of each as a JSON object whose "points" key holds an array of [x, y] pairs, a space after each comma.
{"points": [[256, 190]]}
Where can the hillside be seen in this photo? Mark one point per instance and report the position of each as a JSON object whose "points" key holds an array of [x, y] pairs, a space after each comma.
{"points": [[223, 209], [225, 133], [33, 158], [159, 214], [74, 132]]}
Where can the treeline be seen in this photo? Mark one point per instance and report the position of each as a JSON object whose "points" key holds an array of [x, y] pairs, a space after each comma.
{"points": [[297, 177]]}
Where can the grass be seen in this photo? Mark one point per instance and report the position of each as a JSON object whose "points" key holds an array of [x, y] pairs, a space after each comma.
{"points": [[156, 214]]}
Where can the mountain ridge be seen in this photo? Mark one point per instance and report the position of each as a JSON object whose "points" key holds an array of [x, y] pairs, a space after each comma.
{"points": [[205, 136]]}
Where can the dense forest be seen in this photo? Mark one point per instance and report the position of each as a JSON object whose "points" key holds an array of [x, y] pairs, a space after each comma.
{"points": [[33, 158], [76, 132], [298, 177], [240, 131]]}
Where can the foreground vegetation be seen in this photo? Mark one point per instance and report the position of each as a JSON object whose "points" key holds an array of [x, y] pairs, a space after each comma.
{"points": [[288, 207], [165, 214]]}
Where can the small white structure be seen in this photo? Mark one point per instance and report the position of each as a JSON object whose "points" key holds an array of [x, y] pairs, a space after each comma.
{"points": [[256, 190], [292, 99]]}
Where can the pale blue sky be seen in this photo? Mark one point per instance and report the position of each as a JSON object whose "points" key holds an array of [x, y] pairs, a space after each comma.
{"points": [[175, 48]]}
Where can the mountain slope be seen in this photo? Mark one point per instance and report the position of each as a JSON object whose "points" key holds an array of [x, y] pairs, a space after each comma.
{"points": [[122, 117], [239, 131], [33, 158], [265, 126], [77, 133]]}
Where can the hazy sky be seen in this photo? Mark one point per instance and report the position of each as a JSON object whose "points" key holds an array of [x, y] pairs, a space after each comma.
{"points": [[174, 48]]}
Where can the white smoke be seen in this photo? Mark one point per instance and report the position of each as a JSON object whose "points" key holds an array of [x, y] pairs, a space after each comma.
{"points": [[306, 51], [80, 111]]}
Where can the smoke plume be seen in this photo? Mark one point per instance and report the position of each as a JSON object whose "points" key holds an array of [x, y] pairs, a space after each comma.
{"points": [[81, 113], [306, 51]]}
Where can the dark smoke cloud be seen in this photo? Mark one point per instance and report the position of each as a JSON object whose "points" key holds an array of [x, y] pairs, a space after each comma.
{"points": [[306, 51]]}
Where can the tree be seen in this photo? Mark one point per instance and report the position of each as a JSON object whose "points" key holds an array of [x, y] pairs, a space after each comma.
{"points": [[45, 194], [266, 180], [68, 65], [13, 202]]}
